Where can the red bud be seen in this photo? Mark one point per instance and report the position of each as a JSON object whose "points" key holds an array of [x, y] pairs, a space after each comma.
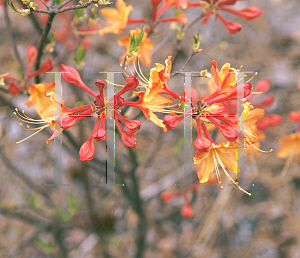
{"points": [[99, 135], [87, 150], [31, 53], [171, 121], [128, 139], [13, 88], [45, 67], [187, 212], [202, 143], [262, 86], [294, 116], [230, 133], [72, 76], [250, 13], [166, 197], [233, 27], [131, 83]]}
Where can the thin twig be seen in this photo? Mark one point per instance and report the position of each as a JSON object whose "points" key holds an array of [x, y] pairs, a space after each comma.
{"points": [[10, 31], [43, 43]]}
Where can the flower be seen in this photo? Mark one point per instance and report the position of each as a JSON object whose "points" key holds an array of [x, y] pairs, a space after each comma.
{"points": [[152, 100], [116, 17], [144, 52], [38, 97], [213, 7], [223, 154], [289, 146], [62, 118], [247, 120]]}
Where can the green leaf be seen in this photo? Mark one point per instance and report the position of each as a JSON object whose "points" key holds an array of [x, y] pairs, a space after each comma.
{"points": [[80, 52], [34, 203], [73, 203], [47, 247], [79, 104], [140, 37], [178, 145], [79, 13], [64, 215]]}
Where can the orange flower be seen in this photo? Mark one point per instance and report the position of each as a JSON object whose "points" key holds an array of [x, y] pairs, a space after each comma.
{"points": [[38, 97], [223, 154], [151, 99], [145, 50], [254, 150], [247, 121], [116, 17], [290, 146]]}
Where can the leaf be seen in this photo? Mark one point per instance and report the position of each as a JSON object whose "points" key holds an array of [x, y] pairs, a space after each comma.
{"points": [[80, 52], [47, 247], [73, 203], [139, 37]]}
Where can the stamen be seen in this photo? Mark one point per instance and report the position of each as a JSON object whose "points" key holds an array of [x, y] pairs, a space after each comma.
{"points": [[287, 164], [251, 77], [141, 69], [137, 72], [240, 69], [242, 78], [258, 148], [217, 171], [229, 177], [41, 128], [124, 70]]}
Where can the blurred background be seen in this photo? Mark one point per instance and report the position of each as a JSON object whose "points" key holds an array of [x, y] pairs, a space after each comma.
{"points": [[87, 219]]}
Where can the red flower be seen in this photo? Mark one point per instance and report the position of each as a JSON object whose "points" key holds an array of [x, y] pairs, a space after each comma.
{"points": [[213, 7]]}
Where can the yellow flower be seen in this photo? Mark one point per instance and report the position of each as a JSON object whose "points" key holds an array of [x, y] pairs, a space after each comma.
{"points": [[145, 50], [116, 17], [247, 120], [290, 146], [38, 97], [223, 154]]}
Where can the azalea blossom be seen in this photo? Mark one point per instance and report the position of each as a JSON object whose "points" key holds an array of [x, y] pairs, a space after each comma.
{"points": [[102, 107], [152, 100], [37, 98], [215, 6], [116, 18], [223, 154]]}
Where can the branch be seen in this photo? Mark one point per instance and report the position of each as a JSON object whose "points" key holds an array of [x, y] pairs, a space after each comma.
{"points": [[43, 43], [10, 31]]}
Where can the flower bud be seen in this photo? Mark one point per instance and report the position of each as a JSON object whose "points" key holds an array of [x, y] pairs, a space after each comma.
{"points": [[294, 116], [230, 133], [171, 121], [87, 150], [202, 143], [250, 13], [166, 197], [227, 2], [131, 83], [13, 88], [99, 135], [45, 67], [132, 125], [187, 212], [262, 85], [266, 102], [71, 75], [233, 27], [128, 139], [31, 53]]}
